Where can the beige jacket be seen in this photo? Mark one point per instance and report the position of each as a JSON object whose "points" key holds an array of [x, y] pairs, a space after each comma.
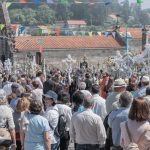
{"points": [[136, 130]]}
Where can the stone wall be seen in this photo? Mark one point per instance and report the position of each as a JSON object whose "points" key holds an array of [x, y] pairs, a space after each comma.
{"points": [[55, 57]]}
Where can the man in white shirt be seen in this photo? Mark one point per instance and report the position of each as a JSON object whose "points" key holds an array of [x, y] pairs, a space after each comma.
{"points": [[52, 115], [87, 129], [99, 102], [63, 109], [40, 79]]}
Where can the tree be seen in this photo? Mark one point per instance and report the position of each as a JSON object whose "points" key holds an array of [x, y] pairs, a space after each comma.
{"points": [[45, 15]]}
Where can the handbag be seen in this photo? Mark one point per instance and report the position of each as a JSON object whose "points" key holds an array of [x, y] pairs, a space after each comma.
{"points": [[4, 134]]}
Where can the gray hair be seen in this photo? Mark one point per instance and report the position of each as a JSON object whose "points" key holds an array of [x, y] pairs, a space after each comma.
{"points": [[82, 85], [88, 101], [126, 99]]}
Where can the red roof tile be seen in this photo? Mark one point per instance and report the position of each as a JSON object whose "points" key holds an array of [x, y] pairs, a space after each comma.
{"points": [[66, 42], [76, 22]]}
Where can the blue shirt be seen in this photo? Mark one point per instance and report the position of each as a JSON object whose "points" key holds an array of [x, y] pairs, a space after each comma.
{"points": [[114, 120], [14, 102], [36, 125]]}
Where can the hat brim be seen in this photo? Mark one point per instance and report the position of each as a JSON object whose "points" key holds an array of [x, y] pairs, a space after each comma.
{"points": [[46, 95], [120, 85]]}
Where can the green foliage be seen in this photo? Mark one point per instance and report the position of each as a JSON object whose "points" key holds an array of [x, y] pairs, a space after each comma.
{"points": [[97, 15]]}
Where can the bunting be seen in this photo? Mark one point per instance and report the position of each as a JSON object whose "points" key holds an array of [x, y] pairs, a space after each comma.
{"points": [[139, 1], [37, 1], [50, 1], [2, 26], [8, 4], [22, 1], [107, 2]]}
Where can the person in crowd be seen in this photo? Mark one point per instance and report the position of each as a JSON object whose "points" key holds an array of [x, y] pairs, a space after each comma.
{"points": [[132, 85], [21, 107], [37, 93], [40, 79], [7, 87], [119, 115], [87, 129], [144, 84], [63, 109], [14, 87], [99, 107], [119, 87], [103, 85], [52, 115], [14, 101], [7, 126], [137, 125], [34, 129], [147, 97], [77, 101], [48, 84], [82, 86], [88, 82]]}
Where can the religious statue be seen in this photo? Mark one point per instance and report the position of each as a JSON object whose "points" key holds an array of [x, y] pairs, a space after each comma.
{"points": [[69, 61]]}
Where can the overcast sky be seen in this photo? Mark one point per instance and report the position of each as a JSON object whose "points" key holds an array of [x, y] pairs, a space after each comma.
{"points": [[145, 4]]}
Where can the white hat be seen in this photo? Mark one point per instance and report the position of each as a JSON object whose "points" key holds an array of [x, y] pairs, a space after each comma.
{"points": [[119, 83], [145, 79]]}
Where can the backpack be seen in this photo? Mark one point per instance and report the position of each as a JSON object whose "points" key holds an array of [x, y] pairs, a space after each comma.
{"points": [[60, 130], [132, 145]]}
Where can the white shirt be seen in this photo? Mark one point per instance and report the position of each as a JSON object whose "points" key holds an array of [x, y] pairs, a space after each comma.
{"points": [[51, 114], [99, 106], [87, 128], [7, 88], [40, 82], [66, 110]]}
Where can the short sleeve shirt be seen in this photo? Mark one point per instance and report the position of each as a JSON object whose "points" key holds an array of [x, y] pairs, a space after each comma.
{"points": [[36, 125]]}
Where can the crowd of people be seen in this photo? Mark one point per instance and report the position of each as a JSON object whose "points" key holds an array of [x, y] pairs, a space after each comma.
{"points": [[95, 112]]}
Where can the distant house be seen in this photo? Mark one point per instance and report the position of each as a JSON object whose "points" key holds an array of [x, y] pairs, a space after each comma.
{"points": [[75, 24]]}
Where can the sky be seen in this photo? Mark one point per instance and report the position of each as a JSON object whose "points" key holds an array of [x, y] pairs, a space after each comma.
{"points": [[145, 4]]}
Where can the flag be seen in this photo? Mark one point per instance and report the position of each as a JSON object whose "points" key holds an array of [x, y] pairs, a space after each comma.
{"points": [[21, 29], [37, 1], [22, 1], [90, 33], [2, 26], [114, 34], [63, 1], [139, 1], [78, 2], [8, 4], [107, 2], [99, 33], [50, 1], [39, 31], [41, 49]]}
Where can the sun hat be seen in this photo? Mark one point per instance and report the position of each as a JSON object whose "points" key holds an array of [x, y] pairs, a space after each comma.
{"points": [[52, 95], [120, 83], [145, 79]]}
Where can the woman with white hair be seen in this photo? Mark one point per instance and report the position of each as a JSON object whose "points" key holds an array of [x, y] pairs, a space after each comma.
{"points": [[7, 127]]}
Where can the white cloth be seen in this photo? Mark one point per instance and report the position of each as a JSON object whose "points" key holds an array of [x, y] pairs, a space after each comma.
{"points": [[66, 110], [113, 97], [7, 88], [87, 128], [99, 106], [40, 82], [52, 115], [136, 130]]}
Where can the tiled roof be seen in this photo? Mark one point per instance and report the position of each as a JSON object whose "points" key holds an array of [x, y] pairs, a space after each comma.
{"points": [[136, 33], [31, 43], [76, 22]]}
